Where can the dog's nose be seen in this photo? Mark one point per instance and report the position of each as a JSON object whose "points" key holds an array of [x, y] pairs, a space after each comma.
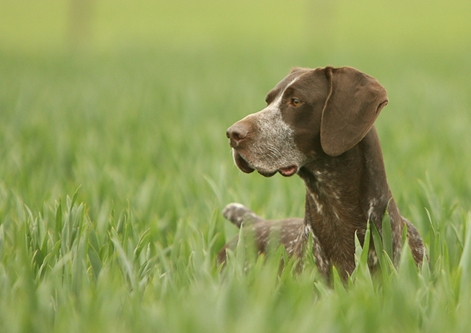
{"points": [[237, 133]]}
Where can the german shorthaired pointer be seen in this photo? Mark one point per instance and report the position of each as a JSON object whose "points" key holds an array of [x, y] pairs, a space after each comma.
{"points": [[318, 124]]}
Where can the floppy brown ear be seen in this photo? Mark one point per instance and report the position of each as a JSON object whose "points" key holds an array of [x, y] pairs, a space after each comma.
{"points": [[352, 106]]}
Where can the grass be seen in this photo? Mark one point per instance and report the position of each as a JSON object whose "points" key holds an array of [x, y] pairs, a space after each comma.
{"points": [[115, 167]]}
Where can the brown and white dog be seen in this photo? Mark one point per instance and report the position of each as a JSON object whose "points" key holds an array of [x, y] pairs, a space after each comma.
{"points": [[318, 124]]}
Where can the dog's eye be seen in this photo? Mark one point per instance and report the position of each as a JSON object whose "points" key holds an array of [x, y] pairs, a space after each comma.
{"points": [[295, 102]]}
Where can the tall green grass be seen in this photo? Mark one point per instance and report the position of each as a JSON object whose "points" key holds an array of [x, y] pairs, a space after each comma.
{"points": [[115, 167]]}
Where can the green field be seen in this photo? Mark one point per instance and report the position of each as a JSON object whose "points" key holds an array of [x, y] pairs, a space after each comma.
{"points": [[114, 165]]}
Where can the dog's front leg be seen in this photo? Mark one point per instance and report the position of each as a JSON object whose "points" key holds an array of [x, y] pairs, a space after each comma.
{"points": [[288, 232]]}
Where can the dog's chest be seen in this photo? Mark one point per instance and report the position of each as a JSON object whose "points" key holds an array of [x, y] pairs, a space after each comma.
{"points": [[334, 214]]}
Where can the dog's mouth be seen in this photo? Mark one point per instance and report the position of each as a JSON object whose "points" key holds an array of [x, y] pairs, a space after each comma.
{"points": [[241, 163], [245, 166], [288, 171]]}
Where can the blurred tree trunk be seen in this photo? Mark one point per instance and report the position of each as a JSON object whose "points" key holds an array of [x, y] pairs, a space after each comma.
{"points": [[80, 20]]}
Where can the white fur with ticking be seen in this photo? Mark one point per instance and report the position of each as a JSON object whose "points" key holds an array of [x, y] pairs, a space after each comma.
{"points": [[275, 147]]}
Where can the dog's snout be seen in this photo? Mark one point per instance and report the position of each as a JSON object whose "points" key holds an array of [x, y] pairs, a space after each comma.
{"points": [[237, 133]]}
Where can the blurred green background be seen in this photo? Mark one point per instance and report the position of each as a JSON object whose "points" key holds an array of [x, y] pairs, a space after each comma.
{"points": [[222, 56], [126, 103]]}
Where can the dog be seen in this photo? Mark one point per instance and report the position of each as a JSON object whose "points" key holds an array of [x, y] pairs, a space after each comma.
{"points": [[288, 231], [319, 124]]}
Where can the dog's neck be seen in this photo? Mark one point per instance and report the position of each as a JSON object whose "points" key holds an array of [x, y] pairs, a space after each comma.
{"points": [[342, 194]]}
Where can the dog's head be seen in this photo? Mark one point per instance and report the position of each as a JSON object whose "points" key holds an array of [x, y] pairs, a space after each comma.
{"points": [[311, 112]]}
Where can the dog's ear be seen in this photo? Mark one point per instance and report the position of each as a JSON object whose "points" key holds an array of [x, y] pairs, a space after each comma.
{"points": [[352, 106]]}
